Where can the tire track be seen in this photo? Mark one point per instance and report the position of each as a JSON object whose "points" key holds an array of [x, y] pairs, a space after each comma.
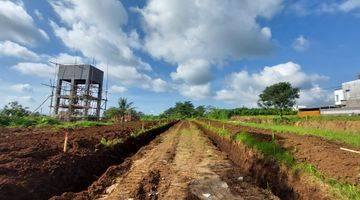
{"points": [[183, 164], [131, 185]]}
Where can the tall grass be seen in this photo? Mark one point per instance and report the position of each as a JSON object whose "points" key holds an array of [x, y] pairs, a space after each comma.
{"points": [[45, 121], [352, 139]]}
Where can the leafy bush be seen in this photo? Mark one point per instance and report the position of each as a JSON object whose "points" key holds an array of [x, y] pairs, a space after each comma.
{"points": [[4, 120]]}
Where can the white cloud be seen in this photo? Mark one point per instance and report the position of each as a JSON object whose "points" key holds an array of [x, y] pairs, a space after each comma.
{"points": [[193, 72], [38, 14], [243, 88], [344, 6], [21, 92], [299, 7], [130, 76], [196, 35], [118, 89], [301, 43], [17, 25], [35, 69], [65, 58], [95, 29], [12, 49], [196, 92], [349, 5], [159, 85], [315, 96], [208, 30], [22, 88]]}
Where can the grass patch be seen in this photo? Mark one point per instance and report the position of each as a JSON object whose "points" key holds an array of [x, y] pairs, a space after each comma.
{"points": [[221, 131], [272, 149], [111, 143], [267, 148], [46, 121], [345, 137], [80, 124]]}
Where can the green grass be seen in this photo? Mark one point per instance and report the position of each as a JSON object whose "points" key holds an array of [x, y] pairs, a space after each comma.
{"points": [[134, 134], [267, 148], [111, 143], [272, 149], [221, 131], [345, 137], [80, 124], [45, 121], [295, 118]]}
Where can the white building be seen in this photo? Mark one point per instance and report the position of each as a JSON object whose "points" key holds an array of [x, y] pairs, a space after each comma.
{"points": [[339, 97], [349, 94]]}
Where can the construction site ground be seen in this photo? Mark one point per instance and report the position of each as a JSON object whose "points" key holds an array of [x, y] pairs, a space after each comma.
{"points": [[181, 163], [184, 160]]}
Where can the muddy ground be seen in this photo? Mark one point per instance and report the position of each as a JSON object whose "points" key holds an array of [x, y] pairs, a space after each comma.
{"points": [[181, 163], [325, 155], [34, 166]]}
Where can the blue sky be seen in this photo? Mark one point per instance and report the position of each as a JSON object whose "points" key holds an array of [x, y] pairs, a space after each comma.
{"points": [[219, 53]]}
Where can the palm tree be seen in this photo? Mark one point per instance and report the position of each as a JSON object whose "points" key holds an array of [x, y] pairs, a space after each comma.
{"points": [[125, 107]]}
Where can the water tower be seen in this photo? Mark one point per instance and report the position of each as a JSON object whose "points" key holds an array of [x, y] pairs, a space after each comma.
{"points": [[78, 92]]}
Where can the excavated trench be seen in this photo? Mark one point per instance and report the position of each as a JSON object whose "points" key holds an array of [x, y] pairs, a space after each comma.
{"points": [[268, 174], [114, 156], [181, 163], [76, 172]]}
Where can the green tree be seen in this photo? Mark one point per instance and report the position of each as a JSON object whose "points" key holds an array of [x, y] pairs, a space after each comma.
{"points": [[280, 96], [125, 107], [184, 110], [111, 113], [14, 109], [200, 111], [118, 113]]}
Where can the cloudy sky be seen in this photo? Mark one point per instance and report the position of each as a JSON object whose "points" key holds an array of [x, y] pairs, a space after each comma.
{"points": [[220, 53]]}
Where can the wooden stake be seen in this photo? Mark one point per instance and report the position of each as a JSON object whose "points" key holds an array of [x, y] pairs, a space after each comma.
{"points": [[65, 141], [142, 126], [349, 150]]}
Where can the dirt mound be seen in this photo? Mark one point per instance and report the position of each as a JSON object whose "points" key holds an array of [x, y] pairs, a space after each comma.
{"points": [[335, 125], [331, 125], [267, 172], [34, 166], [324, 154], [181, 163]]}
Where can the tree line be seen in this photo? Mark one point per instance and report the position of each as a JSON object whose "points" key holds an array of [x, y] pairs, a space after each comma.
{"points": [[277, 99]]}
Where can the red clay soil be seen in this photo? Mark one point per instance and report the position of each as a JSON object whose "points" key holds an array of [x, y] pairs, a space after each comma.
{"points": [[324, 154], [267, 172], [34, 166]]}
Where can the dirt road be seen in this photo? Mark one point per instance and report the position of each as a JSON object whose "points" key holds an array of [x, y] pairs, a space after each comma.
{"points": [[182, 163]]}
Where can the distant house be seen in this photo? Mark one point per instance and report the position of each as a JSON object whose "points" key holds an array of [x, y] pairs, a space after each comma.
{"points": [[349, 94], [347, 102]]}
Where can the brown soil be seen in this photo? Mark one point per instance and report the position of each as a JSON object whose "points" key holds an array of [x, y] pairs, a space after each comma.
{"points": [[33, 165], [325, 155], [267, 173], [179, 164], [332, 125], [338, 125]]}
